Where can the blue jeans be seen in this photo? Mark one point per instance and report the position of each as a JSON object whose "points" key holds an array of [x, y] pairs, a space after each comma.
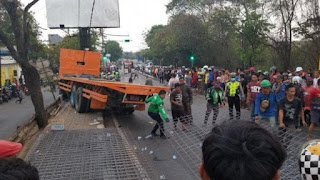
{"points": [[252, 105], [269, 119]]}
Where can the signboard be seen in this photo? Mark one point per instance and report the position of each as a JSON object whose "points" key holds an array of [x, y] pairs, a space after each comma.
{"points": [[57, 125], [3, 76], [77, 13]]}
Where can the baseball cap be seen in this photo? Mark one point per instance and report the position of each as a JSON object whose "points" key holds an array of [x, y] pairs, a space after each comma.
{"points": [[251, 68], [299, 69]]}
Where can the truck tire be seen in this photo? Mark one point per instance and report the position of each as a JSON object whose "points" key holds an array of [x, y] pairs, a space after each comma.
{"points": [[73, 95], [81, 103]]}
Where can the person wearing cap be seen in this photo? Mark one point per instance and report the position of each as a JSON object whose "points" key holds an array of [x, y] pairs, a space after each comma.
{"points": [[299, 71], [234, 93], [200, 83], [265, 104], [177, 107], [252, 69], [214, 97], [156, 109]]}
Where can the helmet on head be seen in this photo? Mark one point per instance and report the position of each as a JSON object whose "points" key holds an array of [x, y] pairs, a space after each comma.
{"points": [[265, 83], [298, 69], [251, 68], [296, 80], [266, 73], [273, 68], [309, 156], [205, 67], [233, 74]]}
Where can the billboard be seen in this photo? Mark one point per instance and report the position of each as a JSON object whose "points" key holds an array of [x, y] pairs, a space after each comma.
{"points": [[77, 13]]}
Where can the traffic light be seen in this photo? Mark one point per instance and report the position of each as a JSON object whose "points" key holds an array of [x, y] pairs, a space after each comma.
{"points": [[127, 40], [192, 57]]}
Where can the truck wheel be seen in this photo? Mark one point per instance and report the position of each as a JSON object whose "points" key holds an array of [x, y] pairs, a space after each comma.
{"points": [[73, 95], [81, 103]]}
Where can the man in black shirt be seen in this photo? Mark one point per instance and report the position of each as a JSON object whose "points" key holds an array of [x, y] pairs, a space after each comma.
{"points": [[177, 106], [289, 109], [187, 99]]}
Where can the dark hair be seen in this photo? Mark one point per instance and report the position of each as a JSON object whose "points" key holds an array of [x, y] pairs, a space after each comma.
{"points": [[162, 92], [241, 150], [254, 74], [181, 78], [173, 75], [290, 86], [17, 169]]}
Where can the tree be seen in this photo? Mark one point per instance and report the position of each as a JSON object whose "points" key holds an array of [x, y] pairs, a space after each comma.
{"points": [[17, 40], [113, 48]]}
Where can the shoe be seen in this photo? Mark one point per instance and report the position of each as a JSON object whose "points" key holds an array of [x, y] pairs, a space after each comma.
{"points": [[154, 134], [163, 137]]}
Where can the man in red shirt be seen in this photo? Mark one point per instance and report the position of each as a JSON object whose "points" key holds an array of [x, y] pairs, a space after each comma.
{"points": [[194, 79], [314, 99], [307, 89], [253, 89]]}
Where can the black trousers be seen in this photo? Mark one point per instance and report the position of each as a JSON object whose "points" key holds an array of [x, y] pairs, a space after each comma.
{"points": [[157, 117], [178, 115], [215, 109], [161, 80], [234, 101]]}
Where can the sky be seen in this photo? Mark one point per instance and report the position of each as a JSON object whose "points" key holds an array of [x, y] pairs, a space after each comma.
{"points": [[136, 18]]}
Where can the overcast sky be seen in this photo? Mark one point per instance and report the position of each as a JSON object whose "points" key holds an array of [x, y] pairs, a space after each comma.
{"points": [[136, 17]]}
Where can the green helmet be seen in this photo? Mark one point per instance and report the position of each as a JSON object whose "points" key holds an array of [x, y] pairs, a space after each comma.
{"points": [[265, 83]]}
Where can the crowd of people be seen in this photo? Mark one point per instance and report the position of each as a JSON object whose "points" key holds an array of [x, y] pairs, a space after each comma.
{"points": [[290, 98], [286, 99]]}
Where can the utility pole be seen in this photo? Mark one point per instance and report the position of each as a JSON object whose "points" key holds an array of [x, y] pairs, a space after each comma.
{"points": [[45, 71]]}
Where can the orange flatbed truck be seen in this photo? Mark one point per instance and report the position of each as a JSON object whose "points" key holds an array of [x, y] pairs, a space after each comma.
{"points": [[79, 81]]}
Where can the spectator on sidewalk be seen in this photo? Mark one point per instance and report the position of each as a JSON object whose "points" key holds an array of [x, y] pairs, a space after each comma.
{"points": [[253, 89], [289, 109], [316, 77], [149, 81], [265, 104], [17, 169], [161, 75], [187, 99], [173, 80], [156, 109], [314, 101], [234, 93], [279, 88], [194, 79], [188, 79], [307, 90], [177, 107], [241, 150], [214, 97]]}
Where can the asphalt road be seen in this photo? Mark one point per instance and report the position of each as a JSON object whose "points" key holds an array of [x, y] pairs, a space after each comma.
{"points": [[13, 115], [140, 124]]}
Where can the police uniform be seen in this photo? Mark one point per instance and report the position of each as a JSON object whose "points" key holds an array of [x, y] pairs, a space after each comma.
{"points": [[233, 92]]}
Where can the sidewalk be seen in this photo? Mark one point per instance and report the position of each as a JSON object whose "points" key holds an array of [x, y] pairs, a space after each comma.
{"points": [[84, 151]]}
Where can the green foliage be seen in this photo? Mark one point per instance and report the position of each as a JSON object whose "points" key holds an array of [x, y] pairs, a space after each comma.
{"points": [[113, 48]]}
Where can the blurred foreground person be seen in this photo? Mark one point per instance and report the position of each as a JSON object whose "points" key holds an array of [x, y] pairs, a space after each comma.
{"points": [[241, 150], [17, 169]]}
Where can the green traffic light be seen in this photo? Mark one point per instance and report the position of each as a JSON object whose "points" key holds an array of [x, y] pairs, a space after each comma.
{"points": [[127, 40], [192, 58], [104, 58]]}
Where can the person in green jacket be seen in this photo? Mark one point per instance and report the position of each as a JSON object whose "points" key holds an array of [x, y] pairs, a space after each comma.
{"points": [[214, 97], [156, 109]]}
